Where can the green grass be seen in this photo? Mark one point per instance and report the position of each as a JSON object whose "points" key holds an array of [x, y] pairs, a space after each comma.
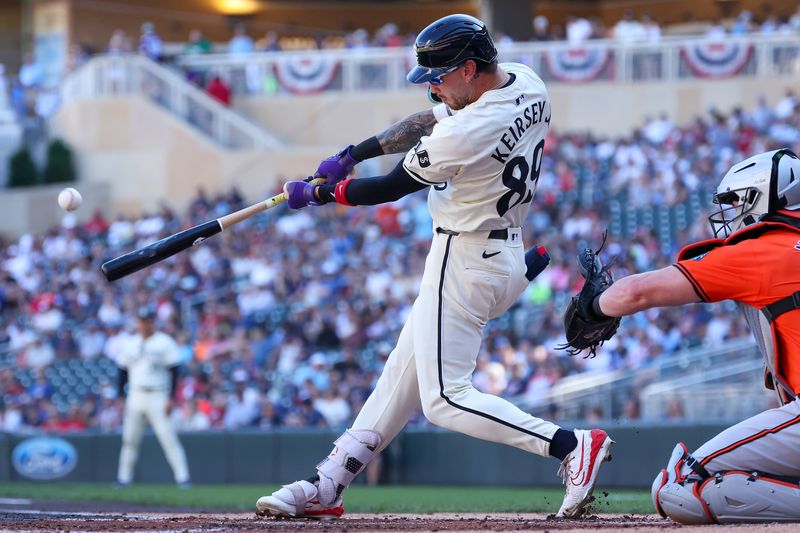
{"points": [[359, 498]]}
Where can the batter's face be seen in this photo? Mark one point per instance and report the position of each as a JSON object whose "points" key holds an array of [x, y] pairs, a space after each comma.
{"points": [[455, 89]]}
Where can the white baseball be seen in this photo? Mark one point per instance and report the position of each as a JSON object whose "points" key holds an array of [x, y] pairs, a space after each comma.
{"points": [[69, 199]]}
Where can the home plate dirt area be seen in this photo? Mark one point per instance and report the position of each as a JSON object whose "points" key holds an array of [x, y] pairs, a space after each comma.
{"points": [[103, 516]]}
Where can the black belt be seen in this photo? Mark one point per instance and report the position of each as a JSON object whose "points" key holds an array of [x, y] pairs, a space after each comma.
{"points": [[499, 234]]}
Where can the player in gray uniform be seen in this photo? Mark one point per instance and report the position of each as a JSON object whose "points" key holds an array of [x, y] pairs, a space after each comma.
{"points": [[480, 153], [149, 366]]}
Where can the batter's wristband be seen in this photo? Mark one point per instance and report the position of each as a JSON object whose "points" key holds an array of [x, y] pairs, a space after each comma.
{"points": [[340, 192]]}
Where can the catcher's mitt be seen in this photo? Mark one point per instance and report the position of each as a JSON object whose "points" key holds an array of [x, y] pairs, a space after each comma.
{"points": [[585, 329]]}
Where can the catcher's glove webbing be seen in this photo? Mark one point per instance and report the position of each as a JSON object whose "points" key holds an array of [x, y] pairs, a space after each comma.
{"points": [[585, 326]]}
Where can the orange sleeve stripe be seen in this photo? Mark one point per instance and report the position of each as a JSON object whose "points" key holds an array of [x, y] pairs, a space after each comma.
{"points": [[695, 285], [764, 433]]}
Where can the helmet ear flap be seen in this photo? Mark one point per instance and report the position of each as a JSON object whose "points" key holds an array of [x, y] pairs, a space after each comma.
{"points": [[785, 181]]}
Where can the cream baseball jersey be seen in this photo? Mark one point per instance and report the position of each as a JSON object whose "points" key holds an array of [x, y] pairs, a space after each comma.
{"points": [[148, 360], [483, 161]]}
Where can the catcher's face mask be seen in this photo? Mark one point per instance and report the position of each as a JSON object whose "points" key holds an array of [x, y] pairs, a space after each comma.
{"points": [[734, 212], [755, 187]]}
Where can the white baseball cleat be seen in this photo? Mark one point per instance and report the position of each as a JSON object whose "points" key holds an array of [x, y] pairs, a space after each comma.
{"points": [[298, 500], [579, 470]]}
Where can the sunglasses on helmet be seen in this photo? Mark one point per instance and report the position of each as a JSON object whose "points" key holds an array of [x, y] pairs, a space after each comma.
{"points": [[437, 80]]}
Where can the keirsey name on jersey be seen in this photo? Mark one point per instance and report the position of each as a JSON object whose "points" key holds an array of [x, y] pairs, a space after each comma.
{"points": [[532, 115]]}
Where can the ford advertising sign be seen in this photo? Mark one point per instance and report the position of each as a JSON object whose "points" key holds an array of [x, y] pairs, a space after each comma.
{"points": [[44, 458]]}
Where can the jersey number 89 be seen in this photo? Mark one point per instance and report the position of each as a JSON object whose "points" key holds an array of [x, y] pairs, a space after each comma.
{"points": [[515, 177]]}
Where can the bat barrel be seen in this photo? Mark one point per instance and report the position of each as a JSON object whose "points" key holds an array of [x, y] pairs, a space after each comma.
{"points": [[158, 251]]}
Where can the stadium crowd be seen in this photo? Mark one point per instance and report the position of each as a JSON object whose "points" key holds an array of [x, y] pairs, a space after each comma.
{"points": [[286, 319]]}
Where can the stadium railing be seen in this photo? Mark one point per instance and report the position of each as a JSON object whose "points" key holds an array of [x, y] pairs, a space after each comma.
{"points": [[109, 76], [732, 391], [672, 59], [608, 391]]}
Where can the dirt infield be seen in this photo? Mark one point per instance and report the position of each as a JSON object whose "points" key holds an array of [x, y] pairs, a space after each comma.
{"points": [[64, 516], [58, 521]]}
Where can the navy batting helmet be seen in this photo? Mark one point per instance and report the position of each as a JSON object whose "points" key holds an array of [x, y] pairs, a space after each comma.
{"points": [[447, 43]]}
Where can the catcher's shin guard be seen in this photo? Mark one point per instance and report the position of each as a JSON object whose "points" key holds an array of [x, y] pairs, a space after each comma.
{"points": [[350, 455], [736, 497]]}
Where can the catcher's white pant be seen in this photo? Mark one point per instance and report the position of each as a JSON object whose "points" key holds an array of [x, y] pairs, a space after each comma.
{"points": [[468, 280], [149, 406], [768, 442]]}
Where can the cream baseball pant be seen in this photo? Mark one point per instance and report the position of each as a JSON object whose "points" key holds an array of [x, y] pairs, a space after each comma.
{"points": [[149, 406], [468, 280], [768, 442]]}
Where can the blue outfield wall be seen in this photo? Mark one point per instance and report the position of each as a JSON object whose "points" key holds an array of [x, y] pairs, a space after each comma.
{"points": [[429, 457]]}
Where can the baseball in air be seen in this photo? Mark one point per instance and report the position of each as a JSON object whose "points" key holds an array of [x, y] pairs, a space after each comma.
{"points": [[69, 199]]}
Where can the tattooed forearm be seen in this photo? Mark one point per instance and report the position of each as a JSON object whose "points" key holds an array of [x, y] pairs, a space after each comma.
{"points": [[400, 137]]}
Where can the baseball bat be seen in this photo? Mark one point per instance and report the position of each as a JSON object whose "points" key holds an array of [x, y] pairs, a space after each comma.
{"points": [[151, 254]]}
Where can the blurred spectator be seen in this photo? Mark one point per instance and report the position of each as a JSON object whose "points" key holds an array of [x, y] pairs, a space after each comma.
{"points": [[242, 408], [629, 30], [79, 53], [794, 20], [743, 23], [715, 31], [268, 43], [197, 43], [150, 43], [240, 43], [31, 74], [39, 354], [119, 43], [651, 30], [91, 341], [189, 418], [41, 387], [388, 36], [674, 409], [73, 421], [11, 417], [541, 28], [333, 407], [219, 90], [787, 106], [579, 30]]}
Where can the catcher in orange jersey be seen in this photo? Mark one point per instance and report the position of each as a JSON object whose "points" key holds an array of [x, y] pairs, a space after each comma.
{"points": [[750, 471]]}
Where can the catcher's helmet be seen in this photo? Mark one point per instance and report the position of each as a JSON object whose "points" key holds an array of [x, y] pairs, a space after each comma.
{"points": [[755, 187], [447, 43]]}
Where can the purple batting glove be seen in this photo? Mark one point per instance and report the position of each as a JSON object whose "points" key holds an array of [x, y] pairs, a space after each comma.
{"points": [[300, 194], [337, 167]]}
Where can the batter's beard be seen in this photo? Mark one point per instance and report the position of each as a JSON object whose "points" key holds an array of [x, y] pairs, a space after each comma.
{"points": [[458, 103]]}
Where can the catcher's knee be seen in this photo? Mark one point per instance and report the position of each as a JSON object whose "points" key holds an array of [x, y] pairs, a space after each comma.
{"points": [[674, 496], [681, 501]]}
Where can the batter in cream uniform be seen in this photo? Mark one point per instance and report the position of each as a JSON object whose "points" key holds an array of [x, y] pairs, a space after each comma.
{"points": [[482, 164], [479, 153], [149, 360]]}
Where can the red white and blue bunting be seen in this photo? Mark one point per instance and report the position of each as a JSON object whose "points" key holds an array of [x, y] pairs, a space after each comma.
{"points": [[577, 64], [308, 74], [716, 59]]}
